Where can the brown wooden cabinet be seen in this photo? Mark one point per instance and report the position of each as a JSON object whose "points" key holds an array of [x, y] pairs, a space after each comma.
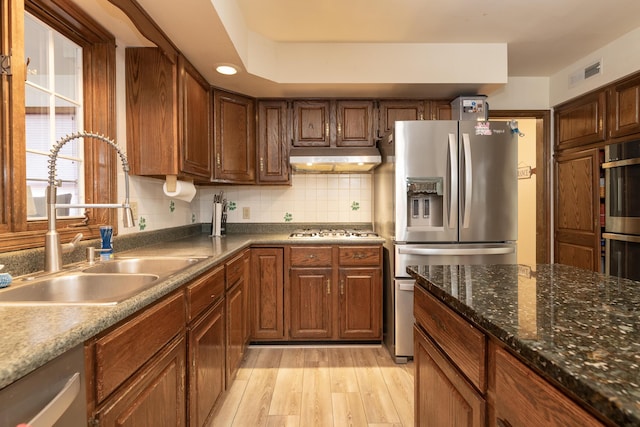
{"points": [[581, 121], [441, 110], [237, 312], [442, 395], [273, 143], [168, 111], [267, 294], [234, 138], [624, 107], [577, 209], [523, 398], [392, 111], [330, 123]]}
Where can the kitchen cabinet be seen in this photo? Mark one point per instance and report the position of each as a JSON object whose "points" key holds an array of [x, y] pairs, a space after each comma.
{"points": [[237, 312], [267, 293], [581, 121], [624, 107], [441, 110], [577, 209], [234, 138], [168, 110], [206, 344], [523, 398], [273, 143], [342, 302], [397, 110], [331, 123]]}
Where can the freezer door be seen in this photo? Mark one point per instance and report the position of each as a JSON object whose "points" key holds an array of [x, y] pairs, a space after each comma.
{"points": [[426, 181], [488, 182]]}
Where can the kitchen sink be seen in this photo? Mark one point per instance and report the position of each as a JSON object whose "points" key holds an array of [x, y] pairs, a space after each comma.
{"points": [[161, 266], [78, 289]]}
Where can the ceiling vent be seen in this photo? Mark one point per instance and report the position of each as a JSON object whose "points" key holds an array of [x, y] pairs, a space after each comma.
{"points": [[589, 71]]}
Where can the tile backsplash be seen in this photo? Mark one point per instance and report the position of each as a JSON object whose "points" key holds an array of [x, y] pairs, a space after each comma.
{"points": [[311, 198]]}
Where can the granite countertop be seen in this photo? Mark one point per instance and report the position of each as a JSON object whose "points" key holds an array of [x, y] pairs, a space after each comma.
{"points": [[579, 328], [32, 335]]}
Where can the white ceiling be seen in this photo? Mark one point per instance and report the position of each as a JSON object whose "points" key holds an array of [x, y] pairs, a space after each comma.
{"points": [[542, 36]]}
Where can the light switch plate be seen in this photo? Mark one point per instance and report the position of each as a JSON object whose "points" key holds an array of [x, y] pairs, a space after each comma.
{"points": [[246, 212]]}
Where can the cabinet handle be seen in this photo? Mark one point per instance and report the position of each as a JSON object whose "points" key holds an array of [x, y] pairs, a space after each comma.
{"points": [[339, 129], [342, 287], [326, 130], [328, 286], [503, 423], [421, 116], [311, 256], [359, 256], [261, 164], [218, 159]]}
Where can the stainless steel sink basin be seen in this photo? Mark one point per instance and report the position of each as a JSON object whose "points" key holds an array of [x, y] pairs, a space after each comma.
{"points": [[78, 289], [161, 266]]}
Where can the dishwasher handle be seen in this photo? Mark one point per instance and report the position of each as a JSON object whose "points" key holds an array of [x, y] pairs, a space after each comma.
{"points": [[59, 404], [406, 286]]}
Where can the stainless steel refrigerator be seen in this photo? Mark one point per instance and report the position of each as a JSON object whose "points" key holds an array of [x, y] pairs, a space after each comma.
{"points": [[445, 194]]}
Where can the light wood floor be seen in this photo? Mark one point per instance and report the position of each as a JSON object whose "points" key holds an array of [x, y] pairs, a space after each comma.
{"points": [[318, 386]]}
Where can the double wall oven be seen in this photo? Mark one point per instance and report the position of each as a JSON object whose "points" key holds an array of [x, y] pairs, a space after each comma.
{"points": [[622, 209]]}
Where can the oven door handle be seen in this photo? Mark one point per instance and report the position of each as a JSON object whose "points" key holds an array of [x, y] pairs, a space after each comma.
{"points": [[59, 404], [620, 163], [456, 251]]}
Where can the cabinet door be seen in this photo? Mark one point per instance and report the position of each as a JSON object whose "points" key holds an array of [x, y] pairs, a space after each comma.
{"points": [[155, 397], [267, 293], [360, 303], [625, 108], [441, 110], [522, 398], [393, 111], [151, 97], [577, 210], [235, 329], [311, 122], [195, 152], [581, 121], [273, 143], [234, 139], [311, 301], [354, 124], [206, 364], [443, 398]]}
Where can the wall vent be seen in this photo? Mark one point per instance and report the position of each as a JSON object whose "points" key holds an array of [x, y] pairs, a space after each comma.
{"points": [[589, 71], [592, 70]]}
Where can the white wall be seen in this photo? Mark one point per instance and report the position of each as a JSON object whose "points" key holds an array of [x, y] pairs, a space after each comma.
{"points": [[521, 93]]}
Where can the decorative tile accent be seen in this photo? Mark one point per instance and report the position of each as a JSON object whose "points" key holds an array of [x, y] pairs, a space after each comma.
{"points": [[355, 206], [142, 223], [172, 206], [232, 206], [288, 217], [193, 218]]}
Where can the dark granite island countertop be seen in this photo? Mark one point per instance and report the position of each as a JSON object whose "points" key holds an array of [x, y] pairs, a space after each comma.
{"points": [[580, 328]]}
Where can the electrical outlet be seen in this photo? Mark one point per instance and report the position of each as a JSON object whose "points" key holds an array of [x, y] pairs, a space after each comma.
{"points": [[134, 209], [246, 213]]}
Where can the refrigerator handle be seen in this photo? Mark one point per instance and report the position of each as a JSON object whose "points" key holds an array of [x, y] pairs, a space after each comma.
{"points": [[453, 193], [468, 180], [457, 251]]}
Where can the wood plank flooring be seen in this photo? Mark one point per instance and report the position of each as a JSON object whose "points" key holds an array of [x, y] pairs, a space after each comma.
{"points": [[340, 386]]}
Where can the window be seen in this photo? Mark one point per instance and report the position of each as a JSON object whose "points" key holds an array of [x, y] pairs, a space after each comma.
{"points": [[77, 92], [53, 109]]}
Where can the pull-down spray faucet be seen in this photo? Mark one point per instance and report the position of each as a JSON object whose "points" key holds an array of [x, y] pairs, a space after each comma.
{"points": [[53, 250]]}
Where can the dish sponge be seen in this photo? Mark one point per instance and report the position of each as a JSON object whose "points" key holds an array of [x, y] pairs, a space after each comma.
{"points": [[5, 280]]}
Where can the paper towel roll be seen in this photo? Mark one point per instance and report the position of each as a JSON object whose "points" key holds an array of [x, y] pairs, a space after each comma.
{"points": [[185, 191]]}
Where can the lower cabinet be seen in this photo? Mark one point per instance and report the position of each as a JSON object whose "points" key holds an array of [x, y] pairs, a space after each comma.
{"points": [[235, 329], [266, 299], [360, 301], [311, 303], [442, 395]]}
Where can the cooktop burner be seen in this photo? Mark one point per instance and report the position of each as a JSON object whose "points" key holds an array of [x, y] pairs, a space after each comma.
{"points": [[331, 232]]}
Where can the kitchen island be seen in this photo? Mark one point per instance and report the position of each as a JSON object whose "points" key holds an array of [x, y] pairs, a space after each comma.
{"points": [[575, 331]]}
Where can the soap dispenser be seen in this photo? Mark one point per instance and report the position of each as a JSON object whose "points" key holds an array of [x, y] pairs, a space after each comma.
{"points": [[106, 250]]}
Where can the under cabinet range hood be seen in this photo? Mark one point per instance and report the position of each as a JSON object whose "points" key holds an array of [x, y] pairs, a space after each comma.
{"points": [[334, 160]]}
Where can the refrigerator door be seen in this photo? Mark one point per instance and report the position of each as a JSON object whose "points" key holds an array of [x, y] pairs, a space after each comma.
{"points": [[488, 182], [426, 181]]}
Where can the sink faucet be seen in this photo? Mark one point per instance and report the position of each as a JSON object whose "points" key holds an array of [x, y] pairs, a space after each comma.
{"points": [[53, 249]]}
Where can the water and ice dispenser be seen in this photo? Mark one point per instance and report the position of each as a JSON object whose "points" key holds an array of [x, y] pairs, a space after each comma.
{"points": [[424, 202]]}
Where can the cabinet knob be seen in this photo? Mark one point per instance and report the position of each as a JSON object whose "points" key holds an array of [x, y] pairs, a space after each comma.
{"points": [[326, 130], [328, 286], [311, 256], [218, 159], [261, 164], [339, 129], [342, 287]]}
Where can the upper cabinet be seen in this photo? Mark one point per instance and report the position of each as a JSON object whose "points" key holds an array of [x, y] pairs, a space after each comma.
{"points": [[234, 138], [393, 111], [273, 142], [625, 107], [168, 111], [581, 121], [328, 123]]}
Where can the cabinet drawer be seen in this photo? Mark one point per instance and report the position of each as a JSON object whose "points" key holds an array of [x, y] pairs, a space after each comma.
{"points": [[234, 270], [310, 256], [121, 352], [204, 291], [465, 345], [359, 255]]}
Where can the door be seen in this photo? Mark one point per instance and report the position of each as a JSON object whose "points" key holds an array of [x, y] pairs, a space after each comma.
{"points": [[311, 301], [426, 181], [360, 303], [488, 182]]}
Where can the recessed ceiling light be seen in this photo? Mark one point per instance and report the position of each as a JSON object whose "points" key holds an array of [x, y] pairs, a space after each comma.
{"points": [[228, 70]]}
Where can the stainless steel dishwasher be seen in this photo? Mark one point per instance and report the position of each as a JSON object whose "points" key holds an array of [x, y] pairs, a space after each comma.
{"points": [[52, 395]]}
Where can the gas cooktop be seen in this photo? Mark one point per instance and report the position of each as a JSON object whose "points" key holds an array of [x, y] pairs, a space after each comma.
{"points": [[331, 233]]}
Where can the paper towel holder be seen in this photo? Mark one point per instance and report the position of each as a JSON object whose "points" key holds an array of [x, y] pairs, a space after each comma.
{"points": [[172, 181]]}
